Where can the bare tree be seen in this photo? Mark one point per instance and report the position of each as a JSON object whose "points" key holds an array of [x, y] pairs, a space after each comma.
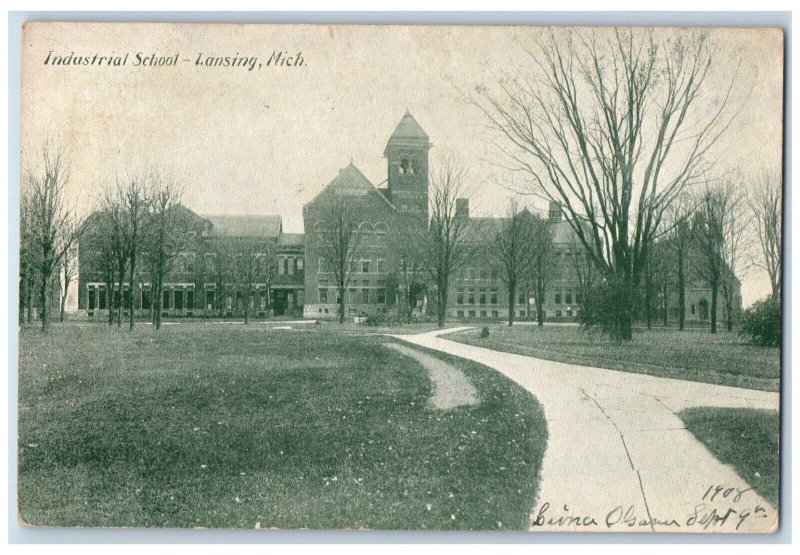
{"points": [[51, 221], [766, 209], [132, 196], [450, 240], [719, 236], [542, 262], [253, 267], [612, 125], [513, 250], [165, 234], [679, 241], [27, 258], [340, 243], [69, 265]]}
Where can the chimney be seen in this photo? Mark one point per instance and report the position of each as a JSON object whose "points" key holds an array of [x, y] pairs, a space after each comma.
{"points": [[555, 211], [462, 208]]}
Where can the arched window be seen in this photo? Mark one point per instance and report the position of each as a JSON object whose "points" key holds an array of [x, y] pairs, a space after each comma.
{"points": [[366, 230], [381, 228]]}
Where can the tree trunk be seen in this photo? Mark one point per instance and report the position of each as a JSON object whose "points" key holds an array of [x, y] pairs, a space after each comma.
{"points": [[247, 309], [665, 303], [341, 302], [539, 306], [681, 293], [109, 296], [43, 308], [512, 290], [131, 286], [64, 299], [714, 294], [441, 309], [29, 293]]}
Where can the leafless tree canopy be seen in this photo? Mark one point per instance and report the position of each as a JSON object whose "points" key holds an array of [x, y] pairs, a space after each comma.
{"points": [[339, 243], [448, 243], [614, 127], [720, 236], [50, 225], [766, 210], [514, 251]]}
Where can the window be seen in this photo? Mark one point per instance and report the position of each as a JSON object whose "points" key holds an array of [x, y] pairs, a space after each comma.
{"points": [[102, 298], [288, 267], [483, 314], [165, 301], [365, 296], [460, 297], [353, 266], [178, 300], [210, 299], [494, 314], [493, 296], [484, 273], [190, 299], [190, 262], [568, 297], [692, 309], [558, 298], [91, 298], [323, 295], [577, 297], [324, 283], [471, 296], [210, 260], [322, 265], [460, 313], [558, 314], [365, 282], [521, 298], [381, 266], [494, 273], [472, 314], [381, 296], [483, 296], [365, 266], [299, 263], [282, 265]]}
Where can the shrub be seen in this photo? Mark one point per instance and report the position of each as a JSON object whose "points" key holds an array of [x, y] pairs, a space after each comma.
{"points": [[608, 308], [484, 332], [761, 323]]}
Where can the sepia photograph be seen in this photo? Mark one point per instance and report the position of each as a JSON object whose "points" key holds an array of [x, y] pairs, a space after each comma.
{"points": [[400, 277]]}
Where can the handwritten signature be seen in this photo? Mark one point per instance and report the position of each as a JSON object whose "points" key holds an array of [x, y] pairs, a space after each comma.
{"points": [[703, 515]]}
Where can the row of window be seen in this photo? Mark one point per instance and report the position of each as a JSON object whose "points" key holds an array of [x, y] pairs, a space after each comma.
{"points": [[359, 266], [354, 296], [476, 296], [186, 262], [178, 297]]}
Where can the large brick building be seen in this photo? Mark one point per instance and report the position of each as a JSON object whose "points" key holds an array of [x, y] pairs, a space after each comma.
{"points": [[293, 277]]}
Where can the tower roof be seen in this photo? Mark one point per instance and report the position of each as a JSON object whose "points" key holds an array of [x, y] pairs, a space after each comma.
{"points": [[408, 131]]}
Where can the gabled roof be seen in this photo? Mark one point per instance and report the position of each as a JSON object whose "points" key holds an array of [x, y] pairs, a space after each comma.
{"points": [[291, 239], [351, 182], [227, 225], [408, 131]]}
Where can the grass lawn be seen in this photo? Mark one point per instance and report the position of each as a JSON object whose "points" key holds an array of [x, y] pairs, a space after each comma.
{"points": [[747, 439], [233, 426], [694, 355]]}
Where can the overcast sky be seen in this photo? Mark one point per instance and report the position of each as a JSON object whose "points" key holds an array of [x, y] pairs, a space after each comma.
{"points": [[266, 141]]}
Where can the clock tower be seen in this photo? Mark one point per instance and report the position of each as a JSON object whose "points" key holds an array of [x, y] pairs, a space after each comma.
{"points": [[407, 157]]}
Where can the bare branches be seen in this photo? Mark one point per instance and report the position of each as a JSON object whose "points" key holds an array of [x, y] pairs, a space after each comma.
{"points": [[614, 129], [337, 233], [766, 209], [49, 224]]}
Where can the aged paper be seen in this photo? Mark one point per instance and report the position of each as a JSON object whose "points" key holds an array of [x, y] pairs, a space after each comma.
{"points": [[400, 277]]}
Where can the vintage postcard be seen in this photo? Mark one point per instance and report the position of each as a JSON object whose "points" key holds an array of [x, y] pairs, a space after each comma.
{"points": [[400, 277]]}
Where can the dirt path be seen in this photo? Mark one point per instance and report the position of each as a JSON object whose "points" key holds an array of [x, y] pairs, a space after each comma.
{"points": [[451, 388]]}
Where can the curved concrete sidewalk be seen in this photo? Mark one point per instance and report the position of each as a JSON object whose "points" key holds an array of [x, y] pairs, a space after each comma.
{"points": [[618, 457]]}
